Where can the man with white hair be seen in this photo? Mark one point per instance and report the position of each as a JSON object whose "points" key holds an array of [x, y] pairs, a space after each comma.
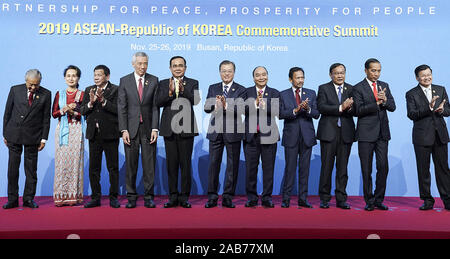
{"points": [[139, 124], [26, 124]]}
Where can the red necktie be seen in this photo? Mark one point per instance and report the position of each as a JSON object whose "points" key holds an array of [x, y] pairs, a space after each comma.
{"points": [[30, 99], [141, 91], [375, 90], [297, 96]]}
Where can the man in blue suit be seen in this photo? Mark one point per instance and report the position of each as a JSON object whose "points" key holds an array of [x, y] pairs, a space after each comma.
{"points": [[297, 107], [261, 136], [222, 101]]}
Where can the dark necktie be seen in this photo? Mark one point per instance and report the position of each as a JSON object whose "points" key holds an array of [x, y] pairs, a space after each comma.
{"points": [[141, 91], [297, 96], [30, 99], [340, 101]]}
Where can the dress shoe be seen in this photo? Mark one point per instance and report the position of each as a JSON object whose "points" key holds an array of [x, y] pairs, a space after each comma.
{"points": [[228, 203], [114, 203], [11, 205], [268, 204], [149, 204], [211, 204], [186, 204], [369, 207], [285, 204], [171, 204], [305, 204], [324, 205], [30, 204], [381, 206], [251, 204], [131, 205], [343, 205], [92, 204], [426, 206]]}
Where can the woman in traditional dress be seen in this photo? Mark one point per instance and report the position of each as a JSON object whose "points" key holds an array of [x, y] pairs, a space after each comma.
{"points": [[69, 141]]}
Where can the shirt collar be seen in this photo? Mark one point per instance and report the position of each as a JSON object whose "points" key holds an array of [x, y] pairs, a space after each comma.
{"points": [[370, 82], [136, 76], [424, 88], [228, 85]]}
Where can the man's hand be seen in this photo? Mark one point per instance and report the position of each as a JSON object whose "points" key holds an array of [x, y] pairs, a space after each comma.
{"points": [[126, 138], [92, 97], [305, 105], [348, 103], [171, 87], [5, 141], [382, 97], [154, 137], [440, 109], [41, 146], [99, 95], [433, 101]]}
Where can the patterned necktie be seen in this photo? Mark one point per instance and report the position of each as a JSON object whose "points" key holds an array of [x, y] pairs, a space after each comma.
{"points": [[340, 100], [141, 92], [177, 87], [428, 94], [375, 90], [30, 99], [225, 91], [297, 96]]}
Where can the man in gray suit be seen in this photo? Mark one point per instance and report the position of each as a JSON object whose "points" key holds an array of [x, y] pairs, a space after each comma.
{"points": [[139, 124]]}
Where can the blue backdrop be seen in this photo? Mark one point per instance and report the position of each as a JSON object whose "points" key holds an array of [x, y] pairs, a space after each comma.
{"points": [[43, 34]]}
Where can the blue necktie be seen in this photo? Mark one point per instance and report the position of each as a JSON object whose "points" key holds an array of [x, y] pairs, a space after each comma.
{"points": [[340, 100], [225, 91]]}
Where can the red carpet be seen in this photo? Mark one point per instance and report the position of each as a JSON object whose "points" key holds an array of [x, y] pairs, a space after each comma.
{"points": [[403, 220]]}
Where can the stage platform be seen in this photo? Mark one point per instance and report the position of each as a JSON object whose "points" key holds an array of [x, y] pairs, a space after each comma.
{"points": [[403, 220]]}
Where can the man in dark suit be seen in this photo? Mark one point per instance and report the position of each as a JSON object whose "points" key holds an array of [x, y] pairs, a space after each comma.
{"points": [[336, 133], [178, 95], [372, 99], [260, 141], [26, 123], [427, 106], [223, 104], [298, 108], [139, 124], [100, 108]]}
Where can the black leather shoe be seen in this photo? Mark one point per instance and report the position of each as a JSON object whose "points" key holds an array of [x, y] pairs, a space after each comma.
{"points": [[324, 205], [305, 204], [211, 204], [131, 205], [343, 205], [92, 204], [11, 205], [30, 204], [149, 204], [381, 206], [251, 204], [114, 203], [426, 206], [186, 205], [369, 207], [268, 204], [285, 204], [228, 203], [171, 204]]}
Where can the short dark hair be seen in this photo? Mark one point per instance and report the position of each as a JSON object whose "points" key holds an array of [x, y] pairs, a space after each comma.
{"points": [[295, 69], [335, 65], [227, 62], [104, 68], [74, 68], [253, 73], [370, 61], [170, 62], [422, 68]]}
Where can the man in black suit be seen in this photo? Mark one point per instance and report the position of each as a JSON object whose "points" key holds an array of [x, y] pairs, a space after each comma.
{"points": [[260, 141], [26, 123], [372, 100], [336, 133], [427, 106], [100, 108], [178, 95], [139, 124], [223, 104], [298, 108]]}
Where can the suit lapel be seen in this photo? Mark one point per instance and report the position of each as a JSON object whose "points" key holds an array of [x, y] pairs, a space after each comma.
{"points": [[369, 90], [333, 93]]}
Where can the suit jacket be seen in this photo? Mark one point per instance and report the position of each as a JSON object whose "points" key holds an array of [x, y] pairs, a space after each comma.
{"points": [[328, 106], [130, 107], [235, 92], [190, 96], [301, 123], [104, 116], [23, 124], [373, 120], [271, 95], [427, 122]]}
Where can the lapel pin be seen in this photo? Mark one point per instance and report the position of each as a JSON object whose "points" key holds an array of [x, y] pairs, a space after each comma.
{"points": [[434, 91], [146, 83], [304, 93], [345, 88], [267, 94], [233, 89], [37, 96]]}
